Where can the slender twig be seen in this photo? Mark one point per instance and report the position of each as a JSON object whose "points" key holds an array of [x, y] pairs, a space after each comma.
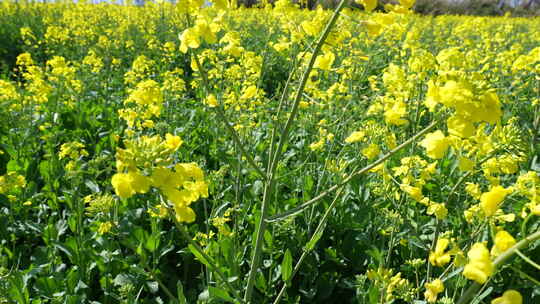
{"points": [[524, 257], [164, 288], [284, 95], [525, 275], [283, 139], [210, 261], [312, 201], [221, 114], [432, 248], [311, 242]]}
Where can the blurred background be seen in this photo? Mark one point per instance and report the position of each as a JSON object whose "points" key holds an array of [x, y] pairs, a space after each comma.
{"points": [[525, 8]]}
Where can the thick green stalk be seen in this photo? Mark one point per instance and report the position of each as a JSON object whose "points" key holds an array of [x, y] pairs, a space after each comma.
{"points": [[269, 185]]}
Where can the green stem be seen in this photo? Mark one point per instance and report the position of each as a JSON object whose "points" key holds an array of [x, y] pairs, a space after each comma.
{"points": [[528, 277], [221, 114], [433, 245], [300, 208], [210, 261], [269, 185], [524, 257], [311, 244]]}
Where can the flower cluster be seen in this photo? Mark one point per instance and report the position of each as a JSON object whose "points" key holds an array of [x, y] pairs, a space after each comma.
{"points": [[146, 162]]}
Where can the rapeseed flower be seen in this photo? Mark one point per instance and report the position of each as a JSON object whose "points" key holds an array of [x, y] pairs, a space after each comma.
{"points": [[122, 184], [433, 289], [490, 201], [503, 241], [355, 136], [436, 144], [479, 267], [369, 5], [509, 297], [440, 256]]}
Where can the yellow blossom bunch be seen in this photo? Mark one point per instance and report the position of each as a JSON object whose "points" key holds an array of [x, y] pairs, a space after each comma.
{"points": [[10, 182], [394, 286], [144, 103], [479, 267], [433, 289], [99, 203], [490, 201], [146, 162], [509, 297], [72, 150]]}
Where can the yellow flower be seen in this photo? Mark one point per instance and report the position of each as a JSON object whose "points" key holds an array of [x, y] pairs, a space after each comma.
{"points": [[503, 242], [436, 144], [473, 190], [480, 266], [373, 28], [318, 145], [439, 209], [465, 164], [162, 177], [459, 126], [414, 192], [509, 297], [439, 257], [407, 3], [369, 5], [184, 213], [122, 185], [489, 201], [189, 39], [371, 151], [190, 170], [220, 4], [172, 142], [139, 182], [393, 115], [174, 195], [158, 211], [104, 227], [206, 31], [211, 101], [324, 62], [249, 92], [433, 289], [355, 137]]}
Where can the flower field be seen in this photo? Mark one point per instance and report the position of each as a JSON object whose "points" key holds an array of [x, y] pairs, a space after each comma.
{"points": [[177, 153]]}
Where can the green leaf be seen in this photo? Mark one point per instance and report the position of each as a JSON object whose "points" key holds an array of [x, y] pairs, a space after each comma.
{"points": [[373, 295], [180, 293], [92, 186], [18, 290], [220, 294], [286, 267], [72, 279], [153, 286], [311, 244], [152, 243], [268, 238], [482, 296], [257, 188], [308, 184], [198, 255]]}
